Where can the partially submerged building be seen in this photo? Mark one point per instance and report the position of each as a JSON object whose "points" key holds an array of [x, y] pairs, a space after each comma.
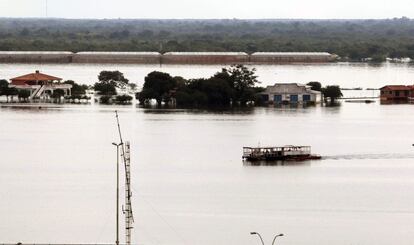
{"points": [[40, 85], [292, 57], [35, 57], [118, 57], [290, 93], [396, 93], [205, 58]]}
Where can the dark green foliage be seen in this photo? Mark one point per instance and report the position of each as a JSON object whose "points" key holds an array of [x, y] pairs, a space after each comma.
{"points": [[378, 58], [316, 86], [203, 92], [158, 86], [242, 80], [123, 99], [57, 95], [23, 94], [6, 90], [115, 78], [332, 92], [77, 89], [105, 88], [109, 81], [105, 99], [10, 92], [229, 86], [4, 84], [355, 39], [76, 98]]}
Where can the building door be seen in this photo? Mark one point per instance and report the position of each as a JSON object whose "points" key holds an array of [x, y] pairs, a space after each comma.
{"points": [[294, 98], [306, 97], [277, 98]]}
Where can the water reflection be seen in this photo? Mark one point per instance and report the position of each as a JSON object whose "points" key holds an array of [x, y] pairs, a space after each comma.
{"points": [[218, 111], [277, 163]]}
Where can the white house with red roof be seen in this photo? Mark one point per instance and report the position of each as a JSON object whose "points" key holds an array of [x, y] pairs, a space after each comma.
{"points": [[397, 93], [40, 85]]}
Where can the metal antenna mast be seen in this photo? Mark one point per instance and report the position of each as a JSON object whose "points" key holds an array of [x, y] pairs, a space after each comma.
{"points": [[129, 218]]}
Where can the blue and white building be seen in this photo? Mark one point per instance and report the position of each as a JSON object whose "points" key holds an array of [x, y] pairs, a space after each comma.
{"points": [[290, 93]]}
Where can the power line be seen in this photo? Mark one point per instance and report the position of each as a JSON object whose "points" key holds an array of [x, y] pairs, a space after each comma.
{"points": [[162, 218]]}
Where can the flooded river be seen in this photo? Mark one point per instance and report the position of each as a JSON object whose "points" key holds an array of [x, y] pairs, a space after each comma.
{"points": [[190, 186]]}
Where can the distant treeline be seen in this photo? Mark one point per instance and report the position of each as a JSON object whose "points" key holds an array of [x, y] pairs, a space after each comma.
{"points": [[355, 39]]}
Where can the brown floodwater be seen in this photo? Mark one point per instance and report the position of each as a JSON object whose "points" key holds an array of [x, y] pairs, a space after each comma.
{"points": [[190, 186]]}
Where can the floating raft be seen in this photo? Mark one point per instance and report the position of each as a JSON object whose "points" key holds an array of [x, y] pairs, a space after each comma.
{"points": [[283, 153]]}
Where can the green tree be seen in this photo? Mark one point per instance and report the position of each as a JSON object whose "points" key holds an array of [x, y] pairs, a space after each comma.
{"points": [[3, 86], [332, 92], [105, 88], [10, 91], [57, 95], [115, 78], [109, 81], [378, 58], [158, 86], [123, 99], [77, 89], [105, 99], [316, 86], [242, 80], [23, 94], [217, 91]]}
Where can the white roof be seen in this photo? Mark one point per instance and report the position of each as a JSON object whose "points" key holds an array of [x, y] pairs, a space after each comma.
{"points": [[35, 52], [289, 88], [118, 53], [291, 54], [206, 53]]}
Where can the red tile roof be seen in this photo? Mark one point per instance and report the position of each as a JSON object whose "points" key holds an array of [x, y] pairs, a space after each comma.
{"points": [[37, 76], [398, 87]]}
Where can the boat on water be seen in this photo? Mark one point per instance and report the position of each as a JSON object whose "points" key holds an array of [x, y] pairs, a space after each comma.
{"points": [[279, 153]]}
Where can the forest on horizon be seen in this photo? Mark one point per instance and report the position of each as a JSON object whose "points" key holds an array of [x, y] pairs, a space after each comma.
{"points": [[353, 39]]}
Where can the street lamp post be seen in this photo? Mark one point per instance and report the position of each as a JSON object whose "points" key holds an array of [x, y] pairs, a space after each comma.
{"points": [[276, 237], [117, 191], [261, 239], [256, 233]]}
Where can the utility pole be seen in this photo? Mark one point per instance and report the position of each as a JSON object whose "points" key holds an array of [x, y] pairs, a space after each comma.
{"points": [[126, 153], [117, 191]]}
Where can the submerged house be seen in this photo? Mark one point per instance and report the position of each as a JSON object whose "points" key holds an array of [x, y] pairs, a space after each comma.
{"points": [[290, 93], [40, 85], [396, 93]]}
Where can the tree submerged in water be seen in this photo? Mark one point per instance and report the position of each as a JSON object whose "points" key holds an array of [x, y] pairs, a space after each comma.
{"points": [[230, 86], [109, 81], [159, 86], [57, 95], [331, 92], [242, 80], [24, 95], [316, 86]]}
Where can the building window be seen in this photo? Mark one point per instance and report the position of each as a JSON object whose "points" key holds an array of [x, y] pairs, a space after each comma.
{"points": [[277, 98], [397, 93]]}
